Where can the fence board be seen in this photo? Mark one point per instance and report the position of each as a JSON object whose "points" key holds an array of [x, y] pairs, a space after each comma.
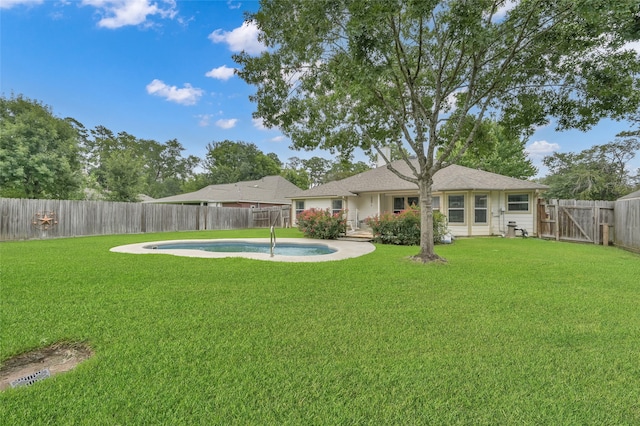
{"points": [[81, 218], [627, 215], [575, 220]]}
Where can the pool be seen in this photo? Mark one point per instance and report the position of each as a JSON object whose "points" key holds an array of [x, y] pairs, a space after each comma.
{"points": [[286, 249], [290, 249]]}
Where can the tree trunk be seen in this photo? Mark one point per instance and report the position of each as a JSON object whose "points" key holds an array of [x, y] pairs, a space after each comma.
{"points": [[427, 253]]}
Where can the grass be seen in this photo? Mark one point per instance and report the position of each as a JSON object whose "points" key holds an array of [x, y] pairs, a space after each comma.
{"points": [[510, 331]]}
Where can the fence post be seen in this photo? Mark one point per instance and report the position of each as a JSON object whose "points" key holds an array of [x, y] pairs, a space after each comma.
{"points": [[596, 225], [557, 216]]}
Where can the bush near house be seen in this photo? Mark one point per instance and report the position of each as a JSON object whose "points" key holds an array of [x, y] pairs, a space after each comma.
{"points": [[322, 224], [404, 228]]}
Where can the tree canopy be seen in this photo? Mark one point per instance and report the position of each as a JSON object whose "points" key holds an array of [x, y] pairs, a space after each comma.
{"points": [[346, 74], [39, 153], [43, 156], [229, 162], [597, 173], [495, 150]]}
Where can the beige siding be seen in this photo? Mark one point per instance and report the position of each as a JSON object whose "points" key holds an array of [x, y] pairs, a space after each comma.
{"points": [[498, 216], [362, 207]]}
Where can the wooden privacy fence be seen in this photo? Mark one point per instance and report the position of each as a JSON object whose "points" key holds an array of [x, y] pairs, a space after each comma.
{"points": [[627, 216], [23, 219], [577, 220]]}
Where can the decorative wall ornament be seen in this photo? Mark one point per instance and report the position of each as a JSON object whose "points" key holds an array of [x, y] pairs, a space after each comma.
{"points": [[44, 220]]}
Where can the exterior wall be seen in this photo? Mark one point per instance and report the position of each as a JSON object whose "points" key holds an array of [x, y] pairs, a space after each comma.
{"points": [[497, 210], [362, 207], [312, 203], [524, 220]]}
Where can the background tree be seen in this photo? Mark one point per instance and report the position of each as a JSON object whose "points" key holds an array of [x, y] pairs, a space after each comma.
{"points": [[349, 74], [343, 168], [597, 173], [39, 153], [229, 162], [295, 173], [496, 150], [166, 170], [123, 176], [317, 168]]}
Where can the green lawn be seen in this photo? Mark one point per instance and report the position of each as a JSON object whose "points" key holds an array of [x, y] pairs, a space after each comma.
{"points": [[509, 331]]}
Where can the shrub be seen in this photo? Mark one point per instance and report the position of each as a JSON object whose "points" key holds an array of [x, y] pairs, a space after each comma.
{"points": [[404, 228], [322, 224]]}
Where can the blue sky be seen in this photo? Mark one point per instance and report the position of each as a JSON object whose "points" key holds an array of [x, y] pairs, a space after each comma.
{"points": [[162, 69]]}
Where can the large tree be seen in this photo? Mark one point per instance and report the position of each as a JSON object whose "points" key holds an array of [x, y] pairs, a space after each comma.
{"points": [[597, 173], [163, 169], [39, 153], [498, 151], [295, 173], [343, 74], [124, 176], [230, 162]]}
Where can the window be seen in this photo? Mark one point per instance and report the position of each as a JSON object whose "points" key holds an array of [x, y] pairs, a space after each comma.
{"points": [[402, 203], [435, 203], [480, 212], [336, 206], [299, 207], [518, 202], [398, 204], [456, 208]]}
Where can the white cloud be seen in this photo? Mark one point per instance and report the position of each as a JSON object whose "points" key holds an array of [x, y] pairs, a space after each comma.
{"points": [[188, 95], [539, 149], [233, 5], [632, 45], [204, 119], [8, 4], [229, 123], [278, 139], [120, 13], [221, 73], [504, 9], [242, 38], [258, 123]]}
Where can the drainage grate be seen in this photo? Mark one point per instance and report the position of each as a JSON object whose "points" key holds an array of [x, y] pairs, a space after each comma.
{"points": [[31, 378]]}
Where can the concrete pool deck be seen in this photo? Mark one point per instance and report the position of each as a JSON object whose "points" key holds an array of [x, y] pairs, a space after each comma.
{"points": [[344, 249]]}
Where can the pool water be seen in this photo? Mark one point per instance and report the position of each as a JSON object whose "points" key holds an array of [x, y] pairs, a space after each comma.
{"points": [[282, 249]]}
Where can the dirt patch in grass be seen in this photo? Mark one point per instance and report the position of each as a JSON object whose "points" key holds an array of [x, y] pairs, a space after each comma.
{"points": [[58, 358]]}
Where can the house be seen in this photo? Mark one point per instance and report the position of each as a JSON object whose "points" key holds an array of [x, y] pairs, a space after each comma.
{"points": [[476, 203], [270, 191], [631, 196]]}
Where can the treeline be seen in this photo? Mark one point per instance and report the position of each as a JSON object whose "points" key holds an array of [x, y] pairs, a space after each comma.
{"points": [[44, 156], [598, 173]]}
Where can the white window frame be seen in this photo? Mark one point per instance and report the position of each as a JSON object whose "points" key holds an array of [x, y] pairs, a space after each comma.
{"points": [[435, 205], [510, 203], [476, 208], [335, 210], [449, 209], [298, 209], [396, 210]]}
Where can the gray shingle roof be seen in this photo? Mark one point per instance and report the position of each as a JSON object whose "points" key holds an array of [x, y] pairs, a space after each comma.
{"points": [[270, 189], [450, 178], [635, 194]]}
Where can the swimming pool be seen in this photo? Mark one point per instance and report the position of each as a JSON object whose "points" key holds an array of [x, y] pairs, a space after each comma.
{"points": [[280, 249], [286, 249]]}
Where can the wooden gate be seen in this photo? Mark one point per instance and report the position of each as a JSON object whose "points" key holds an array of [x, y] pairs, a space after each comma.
{"points": [[271, 216], [576, 220]]}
